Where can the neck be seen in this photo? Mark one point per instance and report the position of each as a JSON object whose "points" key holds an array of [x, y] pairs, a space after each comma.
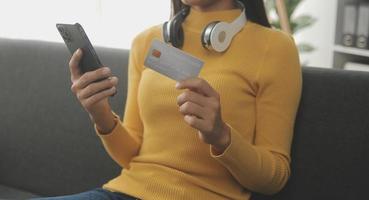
{"points": [[215, 6], [197, 20]]}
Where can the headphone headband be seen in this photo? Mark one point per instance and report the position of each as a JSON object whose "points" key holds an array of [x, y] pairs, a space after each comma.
{"points": [[216, 35], [240, 21]]}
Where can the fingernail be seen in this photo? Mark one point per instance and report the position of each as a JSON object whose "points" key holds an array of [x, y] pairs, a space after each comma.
{"points": [[114, 80], [106, 70], [177, 84]]}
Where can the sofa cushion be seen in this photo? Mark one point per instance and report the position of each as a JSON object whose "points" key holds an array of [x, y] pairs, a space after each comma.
{"points": [[331, 143], [48, 145], [47, 142], [13, 193]]}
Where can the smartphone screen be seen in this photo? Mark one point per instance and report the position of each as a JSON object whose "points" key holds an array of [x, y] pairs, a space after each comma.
{"points": [[75, 37]]}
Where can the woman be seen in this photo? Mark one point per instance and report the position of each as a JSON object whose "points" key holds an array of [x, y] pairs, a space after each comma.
{"points": [[223, 135]]}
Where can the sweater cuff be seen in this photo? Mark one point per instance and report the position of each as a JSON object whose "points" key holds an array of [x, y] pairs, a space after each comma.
{"points": [[232, 152], [120, 145], [115, 130]]}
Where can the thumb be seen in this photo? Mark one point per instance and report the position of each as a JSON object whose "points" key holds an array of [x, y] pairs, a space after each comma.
{"points": [[75, 71]]}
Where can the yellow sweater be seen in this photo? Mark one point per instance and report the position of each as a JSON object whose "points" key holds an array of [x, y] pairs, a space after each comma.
{"points": [[259, 81]]}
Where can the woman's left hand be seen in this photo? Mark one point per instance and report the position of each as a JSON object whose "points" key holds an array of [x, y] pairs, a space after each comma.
{"points": [[200, 105]]}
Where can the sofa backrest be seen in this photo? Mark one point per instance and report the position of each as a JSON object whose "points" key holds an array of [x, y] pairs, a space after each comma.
{"points": [[330, 150], [48, 145], [47, 142]]}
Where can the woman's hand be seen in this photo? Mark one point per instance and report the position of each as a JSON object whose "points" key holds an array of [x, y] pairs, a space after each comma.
{"points": [[200, 105], [93, 94]]}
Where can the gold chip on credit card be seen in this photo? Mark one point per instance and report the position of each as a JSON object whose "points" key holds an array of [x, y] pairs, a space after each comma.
{"points": [[156, 53]]}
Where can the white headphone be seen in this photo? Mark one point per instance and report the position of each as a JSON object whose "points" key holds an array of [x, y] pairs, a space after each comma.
{"points": [[217, 35]]}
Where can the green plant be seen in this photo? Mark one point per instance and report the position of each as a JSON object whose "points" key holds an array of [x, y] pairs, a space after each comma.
{"points": [[297, 23]]}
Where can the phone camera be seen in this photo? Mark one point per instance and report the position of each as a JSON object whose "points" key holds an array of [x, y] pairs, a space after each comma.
{"points": [[64, 33]]}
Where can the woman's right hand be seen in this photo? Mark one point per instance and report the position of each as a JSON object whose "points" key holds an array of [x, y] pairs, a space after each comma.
{"points": [[93, 95]]}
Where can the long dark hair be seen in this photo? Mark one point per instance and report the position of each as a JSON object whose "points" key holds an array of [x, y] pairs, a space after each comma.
{"points": [[255, 10]]}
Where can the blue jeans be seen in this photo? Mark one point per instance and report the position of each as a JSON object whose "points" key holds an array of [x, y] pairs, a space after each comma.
{"points": [[95, 194]]}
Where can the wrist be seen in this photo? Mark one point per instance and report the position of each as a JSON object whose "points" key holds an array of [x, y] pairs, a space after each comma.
{"points": [[224, 140], [104, 119], [107, 127]]}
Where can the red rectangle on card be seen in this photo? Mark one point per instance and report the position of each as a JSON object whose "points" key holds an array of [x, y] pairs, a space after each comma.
{"points": [[156, 53]]}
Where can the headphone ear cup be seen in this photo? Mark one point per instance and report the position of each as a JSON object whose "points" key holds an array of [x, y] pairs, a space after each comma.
{"points": [[220, 37], [176, 35], [166, 37], [180, 37], [172, 29], [206, 34]]}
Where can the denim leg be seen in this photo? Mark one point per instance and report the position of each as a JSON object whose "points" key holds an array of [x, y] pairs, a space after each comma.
{"points": [[95, 194]]}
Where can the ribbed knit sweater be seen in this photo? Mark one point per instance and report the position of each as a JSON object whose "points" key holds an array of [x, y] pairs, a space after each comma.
{"points": [[259, 82]]}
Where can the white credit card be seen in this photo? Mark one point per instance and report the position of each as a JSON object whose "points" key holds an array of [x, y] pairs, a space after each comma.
{"points": [[172, 62]]}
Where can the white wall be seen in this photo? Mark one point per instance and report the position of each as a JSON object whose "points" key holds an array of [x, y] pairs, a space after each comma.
{"points": [[111, 23], [114, 23], [321, 34]]}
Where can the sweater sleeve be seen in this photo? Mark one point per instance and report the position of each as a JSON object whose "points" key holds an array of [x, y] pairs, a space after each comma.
{"points": [[124, 141], [263, 165]]}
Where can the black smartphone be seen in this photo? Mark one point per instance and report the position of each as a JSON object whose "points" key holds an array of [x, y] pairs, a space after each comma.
{"points": [[75, 37]]}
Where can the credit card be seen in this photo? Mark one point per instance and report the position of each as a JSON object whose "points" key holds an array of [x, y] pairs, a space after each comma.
{"points": [[172, 62]]}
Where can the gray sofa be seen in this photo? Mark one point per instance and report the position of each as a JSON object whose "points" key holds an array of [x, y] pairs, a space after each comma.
{"points": [[48, 145]]}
